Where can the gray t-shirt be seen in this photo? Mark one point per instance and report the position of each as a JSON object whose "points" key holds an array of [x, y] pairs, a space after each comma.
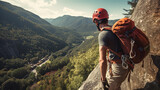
{"points": [[109, 39]]}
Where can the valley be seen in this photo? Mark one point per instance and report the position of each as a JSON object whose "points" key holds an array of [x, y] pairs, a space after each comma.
{"points": [[31, 47]]}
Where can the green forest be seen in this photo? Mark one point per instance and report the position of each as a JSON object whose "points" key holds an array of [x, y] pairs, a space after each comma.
{"points": [[80, 63], [24, 41]]}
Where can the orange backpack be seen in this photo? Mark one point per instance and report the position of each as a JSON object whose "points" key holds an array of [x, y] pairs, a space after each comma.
{"points": [[134, 42]]}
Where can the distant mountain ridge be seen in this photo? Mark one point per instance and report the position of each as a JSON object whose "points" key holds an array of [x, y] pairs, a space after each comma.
{"points": [[78, 23]]}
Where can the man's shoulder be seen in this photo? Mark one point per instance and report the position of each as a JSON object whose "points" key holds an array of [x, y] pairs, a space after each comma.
{"points": [[108, 28], [106, 32]]}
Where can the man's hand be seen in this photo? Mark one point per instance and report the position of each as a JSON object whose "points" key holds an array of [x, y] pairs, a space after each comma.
{"points": [[105, 84]]}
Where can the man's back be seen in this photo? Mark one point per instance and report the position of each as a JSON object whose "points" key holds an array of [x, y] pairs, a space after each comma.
{"points": [[109, 39]]}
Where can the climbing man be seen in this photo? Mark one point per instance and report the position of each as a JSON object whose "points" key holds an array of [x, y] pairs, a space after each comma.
{"points": [[112, 72]]}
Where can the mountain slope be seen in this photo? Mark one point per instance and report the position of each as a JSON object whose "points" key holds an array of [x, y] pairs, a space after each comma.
{"points": [[19, 35], [28, 15], [22, 33], [56, 31]]}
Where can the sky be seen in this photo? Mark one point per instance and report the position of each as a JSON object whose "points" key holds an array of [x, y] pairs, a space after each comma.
{"points": [[57, 8]]}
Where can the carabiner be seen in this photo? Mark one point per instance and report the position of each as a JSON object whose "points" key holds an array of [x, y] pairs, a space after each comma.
{"points": [[124, 60]]}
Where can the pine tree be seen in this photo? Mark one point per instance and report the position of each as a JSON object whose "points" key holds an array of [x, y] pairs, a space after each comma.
{"points": [[133, 4]]}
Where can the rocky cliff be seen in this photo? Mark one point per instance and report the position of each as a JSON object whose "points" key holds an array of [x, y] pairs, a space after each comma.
{"points": [[147, 17]]}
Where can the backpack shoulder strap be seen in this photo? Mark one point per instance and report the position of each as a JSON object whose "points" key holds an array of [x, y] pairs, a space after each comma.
{"points": [[118, 54], [107, 28]]}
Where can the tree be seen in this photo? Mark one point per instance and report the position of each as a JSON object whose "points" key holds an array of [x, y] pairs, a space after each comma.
{"points": [[19, 73], [1, 62], [10, 84], [14, 63], [3, 79], [133, 4]]}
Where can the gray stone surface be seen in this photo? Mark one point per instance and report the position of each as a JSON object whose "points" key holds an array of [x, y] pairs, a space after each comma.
{"points": [[93, 81]]}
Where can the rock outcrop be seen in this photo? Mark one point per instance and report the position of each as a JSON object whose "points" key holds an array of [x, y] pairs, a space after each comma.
{"points": [[146, 17]]}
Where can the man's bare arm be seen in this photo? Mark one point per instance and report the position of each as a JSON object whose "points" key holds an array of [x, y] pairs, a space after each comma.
{"points": [[103, 61]]}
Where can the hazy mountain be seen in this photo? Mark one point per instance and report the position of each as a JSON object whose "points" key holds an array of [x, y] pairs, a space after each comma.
{"points": [[22, 33], [36, 19], [79, 23]]}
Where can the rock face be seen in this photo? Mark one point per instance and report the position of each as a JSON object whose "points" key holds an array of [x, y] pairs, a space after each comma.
{"points": [[93, 81], [146, 17]]}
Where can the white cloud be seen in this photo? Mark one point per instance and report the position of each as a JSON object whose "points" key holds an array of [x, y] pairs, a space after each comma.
{"points": [[115, 16], [32, 3], [46, 8], [72, 12], [39, 7], [53, 9]]}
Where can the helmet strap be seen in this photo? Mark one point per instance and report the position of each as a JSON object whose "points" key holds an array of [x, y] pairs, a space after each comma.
{"points": [[98, 27], [98, 22]]}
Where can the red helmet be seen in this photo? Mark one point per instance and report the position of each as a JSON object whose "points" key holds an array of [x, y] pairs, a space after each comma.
{"points": [[99, 14]]}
